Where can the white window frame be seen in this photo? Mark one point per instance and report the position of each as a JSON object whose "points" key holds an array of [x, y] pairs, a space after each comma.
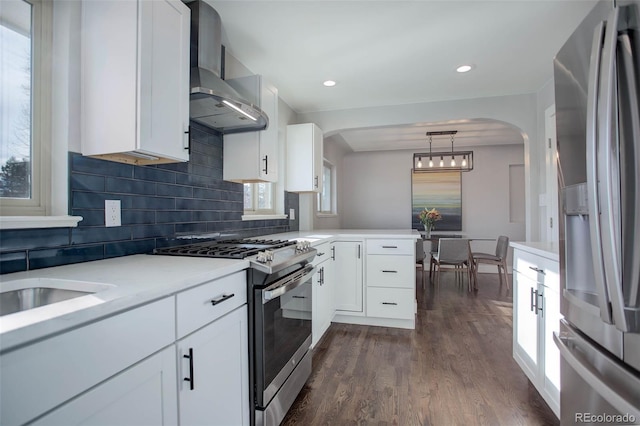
{"points": [[48, 206], [333, 211], [262, 214]]}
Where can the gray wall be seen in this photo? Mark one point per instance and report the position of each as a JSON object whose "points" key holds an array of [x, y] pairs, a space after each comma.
{"points": [[377, 189]]}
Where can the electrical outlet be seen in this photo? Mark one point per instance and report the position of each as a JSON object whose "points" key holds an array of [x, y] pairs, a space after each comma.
{"points": [[112, 214]]}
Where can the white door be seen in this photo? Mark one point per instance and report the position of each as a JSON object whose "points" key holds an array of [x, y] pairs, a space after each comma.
{"points": [[144, 394], [348, 276], [214, 359], [164, 78], [525, 327]]}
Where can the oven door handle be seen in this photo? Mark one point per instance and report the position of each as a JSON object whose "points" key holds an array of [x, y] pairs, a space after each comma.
{"points": [[286, 284]]}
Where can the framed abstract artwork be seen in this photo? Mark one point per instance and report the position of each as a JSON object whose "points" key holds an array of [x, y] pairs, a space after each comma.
{"points": [[442, 191]]}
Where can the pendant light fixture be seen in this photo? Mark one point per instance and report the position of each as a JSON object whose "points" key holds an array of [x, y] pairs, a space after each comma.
{"points": [[460, 160]]}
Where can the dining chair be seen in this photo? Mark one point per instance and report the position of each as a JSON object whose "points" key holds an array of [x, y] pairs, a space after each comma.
{"points": [[452, 252], [499, 259], [420, 256]]}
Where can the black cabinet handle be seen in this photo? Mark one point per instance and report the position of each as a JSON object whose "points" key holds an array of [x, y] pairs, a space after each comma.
{"points": [[316, 181], [392, 272], [532, 296], [358, 251], [537, 270], [333, 253], [389, 246], [299, 297], [540, 303], [390, 303], [222, 298], [266, 164], [190, 378], [188, 133]]}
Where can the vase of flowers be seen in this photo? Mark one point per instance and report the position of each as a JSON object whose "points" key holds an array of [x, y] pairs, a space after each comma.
{"points": [[428, 218]]}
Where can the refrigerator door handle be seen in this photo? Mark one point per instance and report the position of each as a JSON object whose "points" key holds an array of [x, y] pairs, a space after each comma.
{"points": [[592, 172], [629, 67], [604, 387], [609, 172]]}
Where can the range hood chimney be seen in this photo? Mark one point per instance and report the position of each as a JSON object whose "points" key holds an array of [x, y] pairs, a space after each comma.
{"points": [[213, 103]]}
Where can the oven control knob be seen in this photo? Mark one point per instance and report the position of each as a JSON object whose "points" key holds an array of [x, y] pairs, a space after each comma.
{"points": [[265, 256], [303, 246]]}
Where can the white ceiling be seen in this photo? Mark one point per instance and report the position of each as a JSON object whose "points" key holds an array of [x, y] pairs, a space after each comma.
{"points": [[400, 52]]}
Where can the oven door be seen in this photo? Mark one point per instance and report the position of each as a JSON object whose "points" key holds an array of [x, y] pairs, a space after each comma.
{"points": [[282, 331]]}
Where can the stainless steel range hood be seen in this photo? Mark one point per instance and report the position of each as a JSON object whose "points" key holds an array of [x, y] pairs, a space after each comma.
{"points": [[213, 103]]}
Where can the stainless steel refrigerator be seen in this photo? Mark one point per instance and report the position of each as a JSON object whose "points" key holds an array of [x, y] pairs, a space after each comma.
{"points": [[597, 89]]}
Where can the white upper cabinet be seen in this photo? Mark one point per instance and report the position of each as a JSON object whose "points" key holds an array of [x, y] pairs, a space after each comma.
{"points": [[304, 158], [253, 156], [135, 80]]}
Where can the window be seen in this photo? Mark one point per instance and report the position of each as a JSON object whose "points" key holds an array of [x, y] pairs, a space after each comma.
{"points": [[326, 204], [259, 198], [25, 107]]}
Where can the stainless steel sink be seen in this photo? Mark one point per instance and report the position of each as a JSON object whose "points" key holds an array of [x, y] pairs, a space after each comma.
{"points": [[29, 298], [29, 293]]}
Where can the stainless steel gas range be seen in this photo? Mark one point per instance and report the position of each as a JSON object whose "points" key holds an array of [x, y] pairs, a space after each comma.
{"points": [[279, 298]]}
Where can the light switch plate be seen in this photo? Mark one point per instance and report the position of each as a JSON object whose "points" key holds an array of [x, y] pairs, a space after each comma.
{"points": [[292, 214], [112, 213]]}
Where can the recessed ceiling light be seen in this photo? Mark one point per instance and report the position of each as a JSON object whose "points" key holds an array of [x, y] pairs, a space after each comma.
{"points": [[329, 83], [464, 68]]}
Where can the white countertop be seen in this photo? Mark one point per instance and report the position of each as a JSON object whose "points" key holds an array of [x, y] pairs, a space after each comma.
{"points": [[321, 235], [544, 249], [136, 280]]}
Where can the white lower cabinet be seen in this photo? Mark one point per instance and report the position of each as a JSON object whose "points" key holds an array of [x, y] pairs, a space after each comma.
{"points": [[348, 277], [323, 291], [391, 280], [536, 314], [375, 282], [213, 373], [144, 394], [65, 372]]}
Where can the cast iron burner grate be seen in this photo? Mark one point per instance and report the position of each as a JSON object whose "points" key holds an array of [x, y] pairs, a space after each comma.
{"points": [[229, 249]]}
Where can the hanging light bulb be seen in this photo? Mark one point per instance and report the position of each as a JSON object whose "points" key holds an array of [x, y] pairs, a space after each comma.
{"points": [[441, 162], [464, 161], [430, 162], [453, 158], [419, 162]]}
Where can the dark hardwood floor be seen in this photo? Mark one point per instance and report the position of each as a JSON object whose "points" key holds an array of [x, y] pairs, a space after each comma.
{"points": [[455, 368]]}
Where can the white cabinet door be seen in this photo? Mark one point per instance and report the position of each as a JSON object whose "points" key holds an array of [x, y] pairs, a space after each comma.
{"points": [[304, 158], [525, 327], [144, 394], [253, 156], [536, 314], [550, 323], [213, 373], [142, 116], [348, 282], [323, 300]]}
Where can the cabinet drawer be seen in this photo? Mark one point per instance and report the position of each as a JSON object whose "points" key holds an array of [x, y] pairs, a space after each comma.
{"points": [[391, 271], [390, 303], [41, 376], [380, 246], [196, 308], [529, 265], [324, 253]]}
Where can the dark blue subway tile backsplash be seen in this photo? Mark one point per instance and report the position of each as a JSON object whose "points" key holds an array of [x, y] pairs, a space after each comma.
{"points": [[158, 203]]}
